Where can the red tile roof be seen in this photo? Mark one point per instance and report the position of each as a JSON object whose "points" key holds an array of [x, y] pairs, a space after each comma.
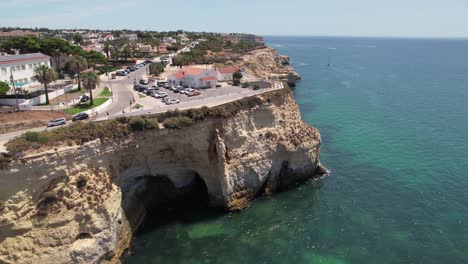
{"points": [[191, 70], [209, 78], [179, 75], [231, 69]]}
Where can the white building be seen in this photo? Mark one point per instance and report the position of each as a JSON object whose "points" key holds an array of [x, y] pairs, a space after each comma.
{"points": [[108, 37], [22, 66], [169, 40], [194, 78], [226, 74], [131, 37], [201, 78]]}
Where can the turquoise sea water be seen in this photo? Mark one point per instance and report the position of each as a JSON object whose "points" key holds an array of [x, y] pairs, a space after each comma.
{"points": [[393, 114]]}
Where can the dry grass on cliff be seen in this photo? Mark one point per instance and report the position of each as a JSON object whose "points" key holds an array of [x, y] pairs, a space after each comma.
{"points": [[75, 134], [82, 132]]}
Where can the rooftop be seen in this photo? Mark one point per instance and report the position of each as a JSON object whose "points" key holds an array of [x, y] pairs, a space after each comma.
{"points": [[22, 57], [231, 69]]}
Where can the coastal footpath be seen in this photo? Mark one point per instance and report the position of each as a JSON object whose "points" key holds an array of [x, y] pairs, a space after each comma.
{"points": [[81, 202]]}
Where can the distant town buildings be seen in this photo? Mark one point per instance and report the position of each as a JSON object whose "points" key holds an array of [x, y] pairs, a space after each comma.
{"points": [[169, 40], [108, 37], [130, 37], [22, 67], [4, 35]]}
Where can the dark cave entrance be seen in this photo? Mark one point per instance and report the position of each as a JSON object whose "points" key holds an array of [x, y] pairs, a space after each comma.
{"points": [[155, 201]]}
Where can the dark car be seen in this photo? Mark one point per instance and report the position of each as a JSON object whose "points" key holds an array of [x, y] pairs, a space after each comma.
{"points": [[84, 99], [142, 89], [80, 116]]}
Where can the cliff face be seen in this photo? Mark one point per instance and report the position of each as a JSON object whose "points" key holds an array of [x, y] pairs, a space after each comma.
{"points": [[80, 204], [266, 63]]}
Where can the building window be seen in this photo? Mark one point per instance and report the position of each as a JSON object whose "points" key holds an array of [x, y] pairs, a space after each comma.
{"points": [[12, 69], [23, 67], [4, 70], [18, 68], [30, 66]]}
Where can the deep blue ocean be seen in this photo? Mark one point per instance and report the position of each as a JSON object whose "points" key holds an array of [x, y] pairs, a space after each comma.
{"points": [[393, 115]]}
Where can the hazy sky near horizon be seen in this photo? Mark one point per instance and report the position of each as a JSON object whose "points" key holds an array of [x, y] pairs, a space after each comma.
{"points": [[397, 18]]}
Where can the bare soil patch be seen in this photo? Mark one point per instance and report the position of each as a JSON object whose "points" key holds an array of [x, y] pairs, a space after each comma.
{"points": [[10, 122]]}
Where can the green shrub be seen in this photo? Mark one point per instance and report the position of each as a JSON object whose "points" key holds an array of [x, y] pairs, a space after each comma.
{"points": [[4, 88], [36, 137], [136, 123], [256, 86], [245, 85], [237, 75], [81, 182], [177, 122], [236, 82], [122, 119], [151, 124]]}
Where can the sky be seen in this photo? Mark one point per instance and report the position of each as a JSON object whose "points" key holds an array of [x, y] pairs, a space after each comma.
{"points": [[371, 18]]}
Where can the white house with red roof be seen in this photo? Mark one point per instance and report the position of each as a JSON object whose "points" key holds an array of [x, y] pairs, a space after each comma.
{"points": [[22, 67], [225, 74], [194, 77], [201, 78]]}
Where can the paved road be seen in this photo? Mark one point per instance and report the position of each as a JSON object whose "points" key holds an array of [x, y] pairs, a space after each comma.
{"points": [[122, 92]]}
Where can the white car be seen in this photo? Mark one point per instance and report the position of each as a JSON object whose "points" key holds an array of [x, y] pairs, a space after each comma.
{"points": [[57, 122], [160, 95], [187, 91], [171, 101]]}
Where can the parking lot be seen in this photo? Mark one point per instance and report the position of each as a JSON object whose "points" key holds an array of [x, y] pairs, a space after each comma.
{"points": [[150, 102]]}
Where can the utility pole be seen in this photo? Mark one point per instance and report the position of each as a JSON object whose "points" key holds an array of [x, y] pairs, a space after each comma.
{"points": [[66, 99], [14, 88]]}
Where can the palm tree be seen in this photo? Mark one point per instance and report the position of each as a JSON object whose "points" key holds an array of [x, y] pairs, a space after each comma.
{"points": [[106, 49], [116, 53], [45, 75], [75, 66], [127, 51], [90, 80]]}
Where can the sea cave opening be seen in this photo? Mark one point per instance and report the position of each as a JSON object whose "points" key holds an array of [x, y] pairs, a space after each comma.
{"points": [[154, 201]]}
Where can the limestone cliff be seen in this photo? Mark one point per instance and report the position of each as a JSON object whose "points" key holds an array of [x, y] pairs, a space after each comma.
{"points": [[80, 204], [266, 63]]}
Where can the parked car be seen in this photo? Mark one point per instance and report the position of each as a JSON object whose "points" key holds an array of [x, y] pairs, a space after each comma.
{"points": [[155, 87], [142, 89], [161, 83], [144, 81], [57, 122], [121, 73], [187, 91], [167, 85], [194, 93], [84, 99], [161, 94], [164, 100], [172, 101], [80, 116], [149, 91]]}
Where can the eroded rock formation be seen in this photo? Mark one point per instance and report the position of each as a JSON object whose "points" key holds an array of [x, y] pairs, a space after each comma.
{"points": [[266, 63], [80, 204]]}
